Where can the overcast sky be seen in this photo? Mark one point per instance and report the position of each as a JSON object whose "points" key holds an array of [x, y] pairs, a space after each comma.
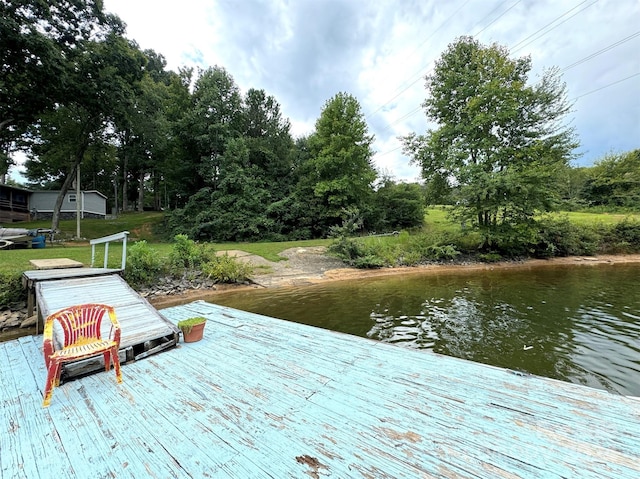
{"points": [[303, 52]]}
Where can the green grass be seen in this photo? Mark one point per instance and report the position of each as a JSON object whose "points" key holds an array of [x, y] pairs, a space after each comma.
{"points": [[582, 218], [437, 220], [142, 226], [146, 225]]}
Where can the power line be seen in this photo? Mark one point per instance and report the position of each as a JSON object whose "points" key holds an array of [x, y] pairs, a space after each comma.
{"points": [[515, 47], [497, 18], [387, 152], [550, 23], [420, 74], [423, 71], [574, 99], [599, 52], [526, 41], [441, 25], [606, 86]]}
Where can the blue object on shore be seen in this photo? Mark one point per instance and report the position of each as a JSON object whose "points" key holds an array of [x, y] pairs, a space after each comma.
{"points": [[38, 242]]}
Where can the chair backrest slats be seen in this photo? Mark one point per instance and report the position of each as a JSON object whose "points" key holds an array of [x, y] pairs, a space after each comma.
{"points": [[82, 321]]}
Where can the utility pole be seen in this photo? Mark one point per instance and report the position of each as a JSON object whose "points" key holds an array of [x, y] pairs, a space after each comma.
{"points": [[78, 202]]}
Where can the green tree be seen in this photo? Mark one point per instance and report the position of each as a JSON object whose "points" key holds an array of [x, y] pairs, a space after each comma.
{"points": [[144, 134], [498, 140], [340, 171], [103, 77], [245, 163], [571, 182], [38, 41], [398, 206], [213, 118], [614, 181], [269, 141]]}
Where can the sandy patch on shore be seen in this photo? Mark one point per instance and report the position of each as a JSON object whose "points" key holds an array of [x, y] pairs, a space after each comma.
{"points": [[311, 266]]}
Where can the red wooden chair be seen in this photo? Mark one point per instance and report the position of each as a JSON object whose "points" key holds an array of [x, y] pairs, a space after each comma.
{"points": [[82, 339]]}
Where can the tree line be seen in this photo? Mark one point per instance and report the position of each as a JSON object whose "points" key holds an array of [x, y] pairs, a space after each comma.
{"points": [[222, 163], [77, 94]]}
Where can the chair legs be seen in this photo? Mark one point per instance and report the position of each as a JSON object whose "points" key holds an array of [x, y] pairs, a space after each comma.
{"points": [[54, 369], [112, 356], [53, 380], [116, 363]]}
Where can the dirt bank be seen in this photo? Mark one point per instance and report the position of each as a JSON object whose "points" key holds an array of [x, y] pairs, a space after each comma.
{"points": [[311, 265]]}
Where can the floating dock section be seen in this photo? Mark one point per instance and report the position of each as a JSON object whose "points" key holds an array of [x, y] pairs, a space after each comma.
{"points": [[144, 330], [260, 397]]}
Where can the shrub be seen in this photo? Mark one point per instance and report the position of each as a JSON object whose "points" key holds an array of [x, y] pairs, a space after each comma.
{"points": [[442, 252], [355, 252], [560, 237], [186, 253], [489, 257], [226, 269], [11, 290], [624, 237], [143, 264]]}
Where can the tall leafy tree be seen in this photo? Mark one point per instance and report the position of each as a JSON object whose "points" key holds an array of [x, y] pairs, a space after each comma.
{"points": [[102, 79], [144, 132], [340, 172], [213, 118], [38, 41], [243, 176], [498, 140], [269, 140], [614, 181], [397, 206]]}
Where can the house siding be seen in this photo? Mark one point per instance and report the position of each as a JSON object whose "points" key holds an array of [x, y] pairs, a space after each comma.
{"points": [[14, 204], [93, 204]]}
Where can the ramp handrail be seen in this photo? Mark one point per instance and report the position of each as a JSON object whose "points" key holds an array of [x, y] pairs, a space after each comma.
{"points": [[106, 240]]}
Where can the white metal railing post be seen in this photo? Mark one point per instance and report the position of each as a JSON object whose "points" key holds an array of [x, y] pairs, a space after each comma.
{"points": [[106, 240], [124, 250]]}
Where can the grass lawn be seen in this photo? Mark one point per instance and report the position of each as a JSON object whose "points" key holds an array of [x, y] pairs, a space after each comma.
{"points": [[580, 218], [146, 225], [142, 226]]}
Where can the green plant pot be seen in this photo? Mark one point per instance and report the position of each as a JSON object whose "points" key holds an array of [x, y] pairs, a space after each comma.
{"points": [[192, 329]]}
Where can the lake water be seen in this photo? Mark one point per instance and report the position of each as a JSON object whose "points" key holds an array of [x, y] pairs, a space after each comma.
{"points": [[574, 323]]}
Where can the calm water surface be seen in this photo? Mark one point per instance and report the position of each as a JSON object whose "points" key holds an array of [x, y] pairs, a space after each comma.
{"points": [[577, 324]]}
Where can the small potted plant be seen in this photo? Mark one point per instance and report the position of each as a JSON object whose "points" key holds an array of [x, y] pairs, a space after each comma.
{"points": [[192, 328]]}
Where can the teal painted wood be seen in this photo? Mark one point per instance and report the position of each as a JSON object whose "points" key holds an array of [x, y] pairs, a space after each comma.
{"points": [[139, 320], [260, 397]]}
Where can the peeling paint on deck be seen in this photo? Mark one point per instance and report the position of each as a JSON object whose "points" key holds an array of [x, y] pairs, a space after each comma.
{"points": [[260, 397]]}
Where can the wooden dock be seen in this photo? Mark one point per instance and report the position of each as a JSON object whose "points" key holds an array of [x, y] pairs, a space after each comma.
{"points": [[265, 398], [144, 330]]}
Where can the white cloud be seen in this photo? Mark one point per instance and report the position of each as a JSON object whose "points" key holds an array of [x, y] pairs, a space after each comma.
{"points": [[305, 51]]}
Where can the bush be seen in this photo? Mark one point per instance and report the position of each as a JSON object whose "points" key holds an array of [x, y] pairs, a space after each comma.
{"points": [[442, 252], [226, 269], [560, 237], [623, 237], [11, 290], [144, 265], [489, 257], [347, 249], [187, 254]]}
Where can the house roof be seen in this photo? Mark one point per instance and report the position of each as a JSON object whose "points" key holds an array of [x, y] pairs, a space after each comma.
{"points": [[70, 191]]}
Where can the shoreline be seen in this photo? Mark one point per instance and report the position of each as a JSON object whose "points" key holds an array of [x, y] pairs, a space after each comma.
{"points": [[16, 323], [346, 274]]}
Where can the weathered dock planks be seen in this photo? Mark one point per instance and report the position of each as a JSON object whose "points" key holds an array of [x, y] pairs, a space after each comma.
{"points": [[260, 397], [31, 278], [144, 330]]}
